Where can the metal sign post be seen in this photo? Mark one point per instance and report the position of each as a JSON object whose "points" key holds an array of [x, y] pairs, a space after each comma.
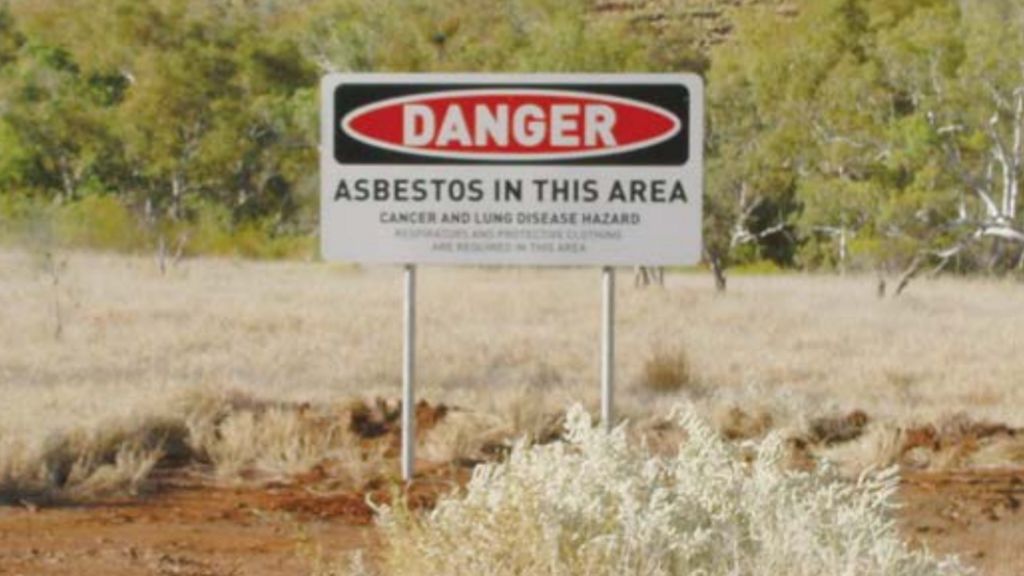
{"points": [[608, 349], [409, 376]]}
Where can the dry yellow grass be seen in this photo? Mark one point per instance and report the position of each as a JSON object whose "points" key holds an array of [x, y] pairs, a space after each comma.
{"points": [[513, 343]]}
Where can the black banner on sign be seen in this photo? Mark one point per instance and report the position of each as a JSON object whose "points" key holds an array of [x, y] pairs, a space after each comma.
{"points": [[653, 125]]}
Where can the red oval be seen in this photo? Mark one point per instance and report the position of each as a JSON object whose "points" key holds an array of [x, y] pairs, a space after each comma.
{"points": [[538, 124]]}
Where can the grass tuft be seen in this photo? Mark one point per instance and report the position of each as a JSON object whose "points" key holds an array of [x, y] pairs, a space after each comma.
{"points": [[670, 372]]}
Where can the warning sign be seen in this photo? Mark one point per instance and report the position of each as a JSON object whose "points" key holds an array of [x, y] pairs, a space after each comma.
{"points": [[507, 170]]}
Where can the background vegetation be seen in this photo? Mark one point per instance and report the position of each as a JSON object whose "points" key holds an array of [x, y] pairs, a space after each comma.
{"points": [[880, 135]]}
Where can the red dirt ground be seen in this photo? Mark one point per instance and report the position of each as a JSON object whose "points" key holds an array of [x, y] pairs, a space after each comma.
{"points": [[277, 531], [188, 528], [185, 532], [977, 515]]}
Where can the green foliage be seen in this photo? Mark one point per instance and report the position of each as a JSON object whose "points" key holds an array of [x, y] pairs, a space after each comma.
{"points": [[10, 37], [847, 133], [98, 221], [867, 126], [187, 103], [21, 217], [199, 119], [212, 232], [102, 222]]}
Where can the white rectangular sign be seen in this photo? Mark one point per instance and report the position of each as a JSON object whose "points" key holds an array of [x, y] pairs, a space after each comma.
{"points": [[512, 169]]}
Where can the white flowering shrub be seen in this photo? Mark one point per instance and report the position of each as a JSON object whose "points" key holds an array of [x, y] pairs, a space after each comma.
{"points": [[597, 505]]}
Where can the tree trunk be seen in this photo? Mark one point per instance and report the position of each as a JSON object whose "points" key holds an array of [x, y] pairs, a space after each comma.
{"points": [[659, 275], [940, 268], [718, 270], [177, 191], [644, 276], [67, 178], [998, 248], [179, 252], [641, 278], [843, 249], [909, 274], [161, 254]]}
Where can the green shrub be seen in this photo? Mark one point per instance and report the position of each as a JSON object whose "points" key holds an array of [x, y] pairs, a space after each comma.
{"points": [[25, 218], [102, 222], [99, 222], [212, 232], [208, 232]]}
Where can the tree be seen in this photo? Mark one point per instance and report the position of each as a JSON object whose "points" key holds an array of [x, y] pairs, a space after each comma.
{"points": [[980, 119], [755, 143], [55, 126], [11, 39], [210, 107], [882, 134], [486, 36]]}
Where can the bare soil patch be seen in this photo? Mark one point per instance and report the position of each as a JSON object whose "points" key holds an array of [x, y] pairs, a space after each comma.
{"points": [[975, 514], [198, 530], [189, 531], [188, 528]]}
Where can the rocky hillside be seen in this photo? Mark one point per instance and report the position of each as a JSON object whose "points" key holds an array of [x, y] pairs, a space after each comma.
{"points": [[714, 20]]}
